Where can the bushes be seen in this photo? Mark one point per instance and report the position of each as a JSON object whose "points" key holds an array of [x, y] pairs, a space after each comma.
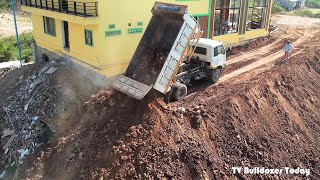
{"points": [[277, 9], [313, 3], [4, 4], [316, 15], [303, 12], [306, 13], [9, 51], [26, 49]]}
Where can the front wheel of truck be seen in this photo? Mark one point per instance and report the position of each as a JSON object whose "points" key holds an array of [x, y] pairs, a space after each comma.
{"points": [[214, 78], [179, 91]]}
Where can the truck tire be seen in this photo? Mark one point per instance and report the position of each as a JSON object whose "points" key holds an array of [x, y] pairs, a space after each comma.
{"points": [[214, 78], [179, 92]]}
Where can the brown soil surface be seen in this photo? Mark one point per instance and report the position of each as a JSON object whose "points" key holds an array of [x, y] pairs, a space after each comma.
{"points": [[262, 113]]}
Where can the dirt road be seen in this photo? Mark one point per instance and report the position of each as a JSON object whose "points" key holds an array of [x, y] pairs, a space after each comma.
{"points": [[301, 31], [262, 113], [7, 24]]}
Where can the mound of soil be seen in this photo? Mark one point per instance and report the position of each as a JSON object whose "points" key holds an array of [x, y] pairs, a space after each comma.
{"points": [[271, 120], [37, 101]]}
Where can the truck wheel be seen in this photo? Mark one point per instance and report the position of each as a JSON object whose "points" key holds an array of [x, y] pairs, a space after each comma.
{"points": [[179, 91], [214, 78]]}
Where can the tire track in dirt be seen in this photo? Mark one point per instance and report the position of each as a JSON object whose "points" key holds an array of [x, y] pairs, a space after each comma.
{"points": [[297, 33], [266, 60], [255, 65]]}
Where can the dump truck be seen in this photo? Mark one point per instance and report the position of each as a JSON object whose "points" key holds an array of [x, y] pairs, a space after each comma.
{"points": [[170, 55]]}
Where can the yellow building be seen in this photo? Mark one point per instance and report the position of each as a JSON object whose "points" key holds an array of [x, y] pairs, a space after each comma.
{"points": [[102, 35]]}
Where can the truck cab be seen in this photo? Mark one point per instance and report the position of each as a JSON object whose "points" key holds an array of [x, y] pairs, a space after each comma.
{"points": [[212, 52]]}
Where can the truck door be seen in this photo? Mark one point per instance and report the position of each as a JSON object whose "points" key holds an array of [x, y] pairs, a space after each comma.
{"points": [[219, 56], [222, 58]]}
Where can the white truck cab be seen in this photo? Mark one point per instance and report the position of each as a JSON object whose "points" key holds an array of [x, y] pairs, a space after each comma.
{"points": [[211, 51]]}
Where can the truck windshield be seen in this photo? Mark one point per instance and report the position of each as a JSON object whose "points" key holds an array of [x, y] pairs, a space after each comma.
{"points": [[200, 50]]}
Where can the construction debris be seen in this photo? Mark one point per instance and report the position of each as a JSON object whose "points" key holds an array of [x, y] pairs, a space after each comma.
{"points": [[24, 107], [27, 111], [8, 142], [51, 70], [7, 132]]}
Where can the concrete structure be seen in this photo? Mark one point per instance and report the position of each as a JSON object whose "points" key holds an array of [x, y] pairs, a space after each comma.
{"points": [[290, 4], [102, 35]]}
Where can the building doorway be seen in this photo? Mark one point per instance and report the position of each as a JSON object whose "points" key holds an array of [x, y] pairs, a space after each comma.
{"points": [[65, 35]]}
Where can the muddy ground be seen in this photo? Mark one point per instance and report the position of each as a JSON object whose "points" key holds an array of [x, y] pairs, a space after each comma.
{"points": [[262, 113]]}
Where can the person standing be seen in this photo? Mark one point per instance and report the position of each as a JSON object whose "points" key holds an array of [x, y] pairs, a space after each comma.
{"points": [[287, 49]]}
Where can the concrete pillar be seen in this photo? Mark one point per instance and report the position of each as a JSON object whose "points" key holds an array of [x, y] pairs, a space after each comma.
{"points": [[35, 52]]}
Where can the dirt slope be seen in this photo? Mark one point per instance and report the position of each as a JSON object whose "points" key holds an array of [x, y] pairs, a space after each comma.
{"points": [[269, 121], [34, 105]]}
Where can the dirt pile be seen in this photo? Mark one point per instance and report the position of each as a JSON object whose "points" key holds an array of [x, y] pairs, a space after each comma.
{"points": [[35, 104], [271, 120]]}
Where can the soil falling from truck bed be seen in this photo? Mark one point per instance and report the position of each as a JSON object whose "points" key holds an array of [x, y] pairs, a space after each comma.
{"points": [[153, 49]]}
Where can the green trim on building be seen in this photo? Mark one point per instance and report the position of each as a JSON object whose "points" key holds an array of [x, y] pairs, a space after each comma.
{"points": [[194, 15], [54, 33], [85, 33], [244, 13], [112, 26], [113, 33], [135, 30], [209, 19]]}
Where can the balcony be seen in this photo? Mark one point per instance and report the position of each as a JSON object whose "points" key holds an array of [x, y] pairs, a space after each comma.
{"points": [[82, 9]]}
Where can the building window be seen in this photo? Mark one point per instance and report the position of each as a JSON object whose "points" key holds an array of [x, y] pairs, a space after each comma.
{"points": [[226, 19], [257, 14], [49, 26], [88, 37]]}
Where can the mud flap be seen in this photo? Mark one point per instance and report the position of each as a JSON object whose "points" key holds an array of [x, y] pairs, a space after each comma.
{"points": [[131, 87]]}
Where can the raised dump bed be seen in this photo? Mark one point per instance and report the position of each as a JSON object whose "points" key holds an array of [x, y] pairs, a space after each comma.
{"points": [[160, 52]]}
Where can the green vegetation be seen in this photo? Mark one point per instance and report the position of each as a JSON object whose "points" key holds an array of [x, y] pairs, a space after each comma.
{"points": [[4, 4], [276, 9], [306, 13], [317, 15], [313, 3], [8, 48], [303, 12]]}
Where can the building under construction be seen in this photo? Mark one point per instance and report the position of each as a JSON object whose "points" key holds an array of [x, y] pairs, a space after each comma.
{"points": [[103, 35]]}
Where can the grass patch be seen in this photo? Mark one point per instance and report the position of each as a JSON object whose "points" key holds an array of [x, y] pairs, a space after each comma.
{"points": [[9, 49], [4, 4], [307, 13], [276, 9], [314, 10], [303, 12]]}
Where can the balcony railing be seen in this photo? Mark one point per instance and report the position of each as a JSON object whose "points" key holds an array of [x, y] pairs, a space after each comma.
{"points": [[83, 9]]}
